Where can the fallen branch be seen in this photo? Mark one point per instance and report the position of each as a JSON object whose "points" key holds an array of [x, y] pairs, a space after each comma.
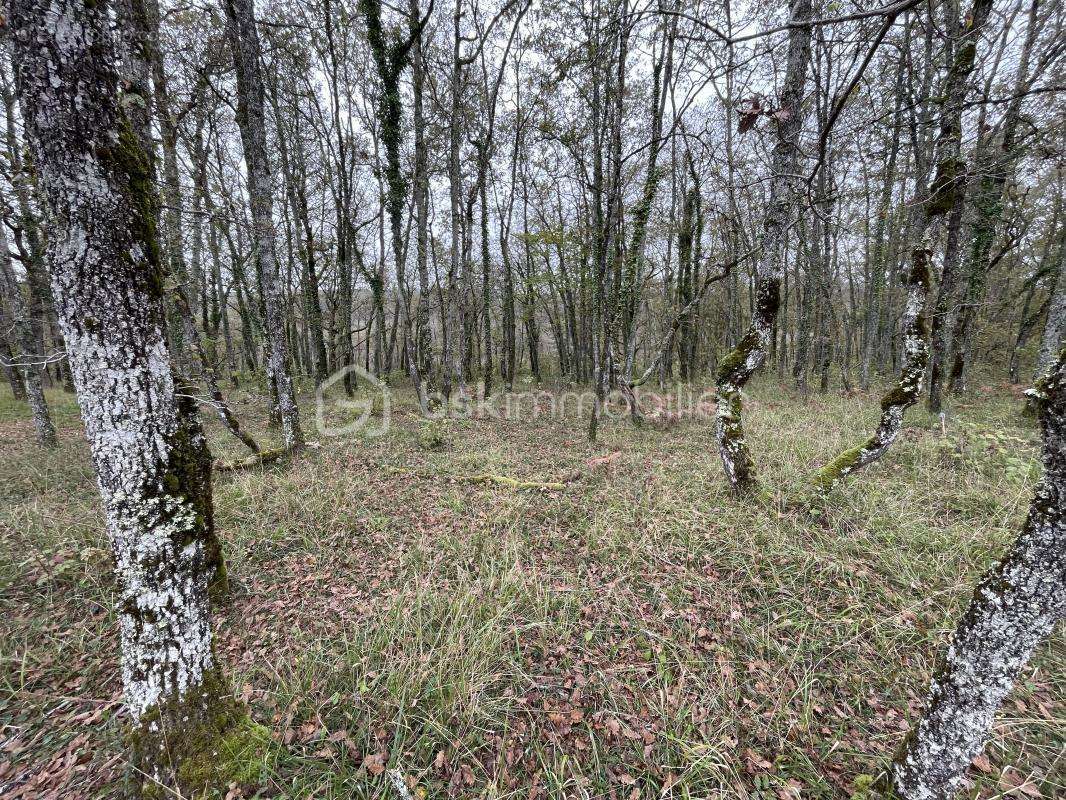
{"points": [[254, 460], [399, 784], [208, 371], [512, 483]]}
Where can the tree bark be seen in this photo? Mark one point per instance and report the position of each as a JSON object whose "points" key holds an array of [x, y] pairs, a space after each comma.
{"points": [[1013, 610], [949, 185], [736, 368], [420, 196], [150, 456], [1055, 324], [251, 118]]}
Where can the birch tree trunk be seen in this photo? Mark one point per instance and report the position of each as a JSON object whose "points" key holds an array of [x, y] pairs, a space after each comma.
{"points": [[1013, 610], [737, 367], [251, 118], [151, 460]]}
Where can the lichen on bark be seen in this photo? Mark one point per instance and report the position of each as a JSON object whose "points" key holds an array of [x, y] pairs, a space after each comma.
{"points": [[738, 366], [1013, 610], [147, 446], [904, 393]]}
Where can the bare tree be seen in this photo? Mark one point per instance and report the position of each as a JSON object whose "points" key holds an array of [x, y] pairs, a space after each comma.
{"points": [[737, 367], [151, 460], [29, 360], [251, 116]]}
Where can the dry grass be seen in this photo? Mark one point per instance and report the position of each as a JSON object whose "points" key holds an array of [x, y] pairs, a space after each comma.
{"points": [[638, 633]]}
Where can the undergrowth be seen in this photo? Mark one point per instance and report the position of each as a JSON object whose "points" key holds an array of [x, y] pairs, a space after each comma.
{"points": [[636, 633]]}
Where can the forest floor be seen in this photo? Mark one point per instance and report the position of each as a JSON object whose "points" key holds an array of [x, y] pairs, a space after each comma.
{"points": [[634, 633]]}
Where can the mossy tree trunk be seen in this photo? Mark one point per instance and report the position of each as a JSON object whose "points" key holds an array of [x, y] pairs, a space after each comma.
{"points": [[906, 391], [420, 198], [949, 184], [1013, 610], [149, 453], [390, 58], [737, 368], [251, 118], [995, 165], [942, 197]]}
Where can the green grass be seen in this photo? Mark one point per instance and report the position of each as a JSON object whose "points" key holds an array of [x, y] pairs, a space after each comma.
{"points": [[637, 633]]}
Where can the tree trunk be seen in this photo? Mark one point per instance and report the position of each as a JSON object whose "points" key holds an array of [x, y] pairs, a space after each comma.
{"points": [[872, 313], [949, 185], [1055, 324], [994, 170], [151, 460], [751, 352], [29, 360], [251, 118], [907, 390], [420, 191], [1013, 610]]}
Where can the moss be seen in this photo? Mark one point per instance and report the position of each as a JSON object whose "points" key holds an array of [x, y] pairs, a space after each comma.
{"points": [[201, 745], [130, 161], [735, 449], [188, 478], [831, 473], [919, 272], [898, 395], [731, 364], [964, 58], [946, 186], [262, 458]]}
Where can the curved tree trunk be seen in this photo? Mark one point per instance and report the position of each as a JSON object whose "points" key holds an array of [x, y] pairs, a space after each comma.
{"points": [[737, 368], [906, 391], [949, 185]]}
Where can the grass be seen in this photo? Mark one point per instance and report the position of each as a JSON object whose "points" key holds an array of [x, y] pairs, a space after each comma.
{"points": [[637, 633]]}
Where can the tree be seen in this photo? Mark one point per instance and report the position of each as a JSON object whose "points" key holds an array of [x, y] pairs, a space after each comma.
{"points": [[1055, 322], [737, 368], [29, 360], [929, 204], [150, 456], [390, 58], [1013, 610], [251, 118], [948, 191]]}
